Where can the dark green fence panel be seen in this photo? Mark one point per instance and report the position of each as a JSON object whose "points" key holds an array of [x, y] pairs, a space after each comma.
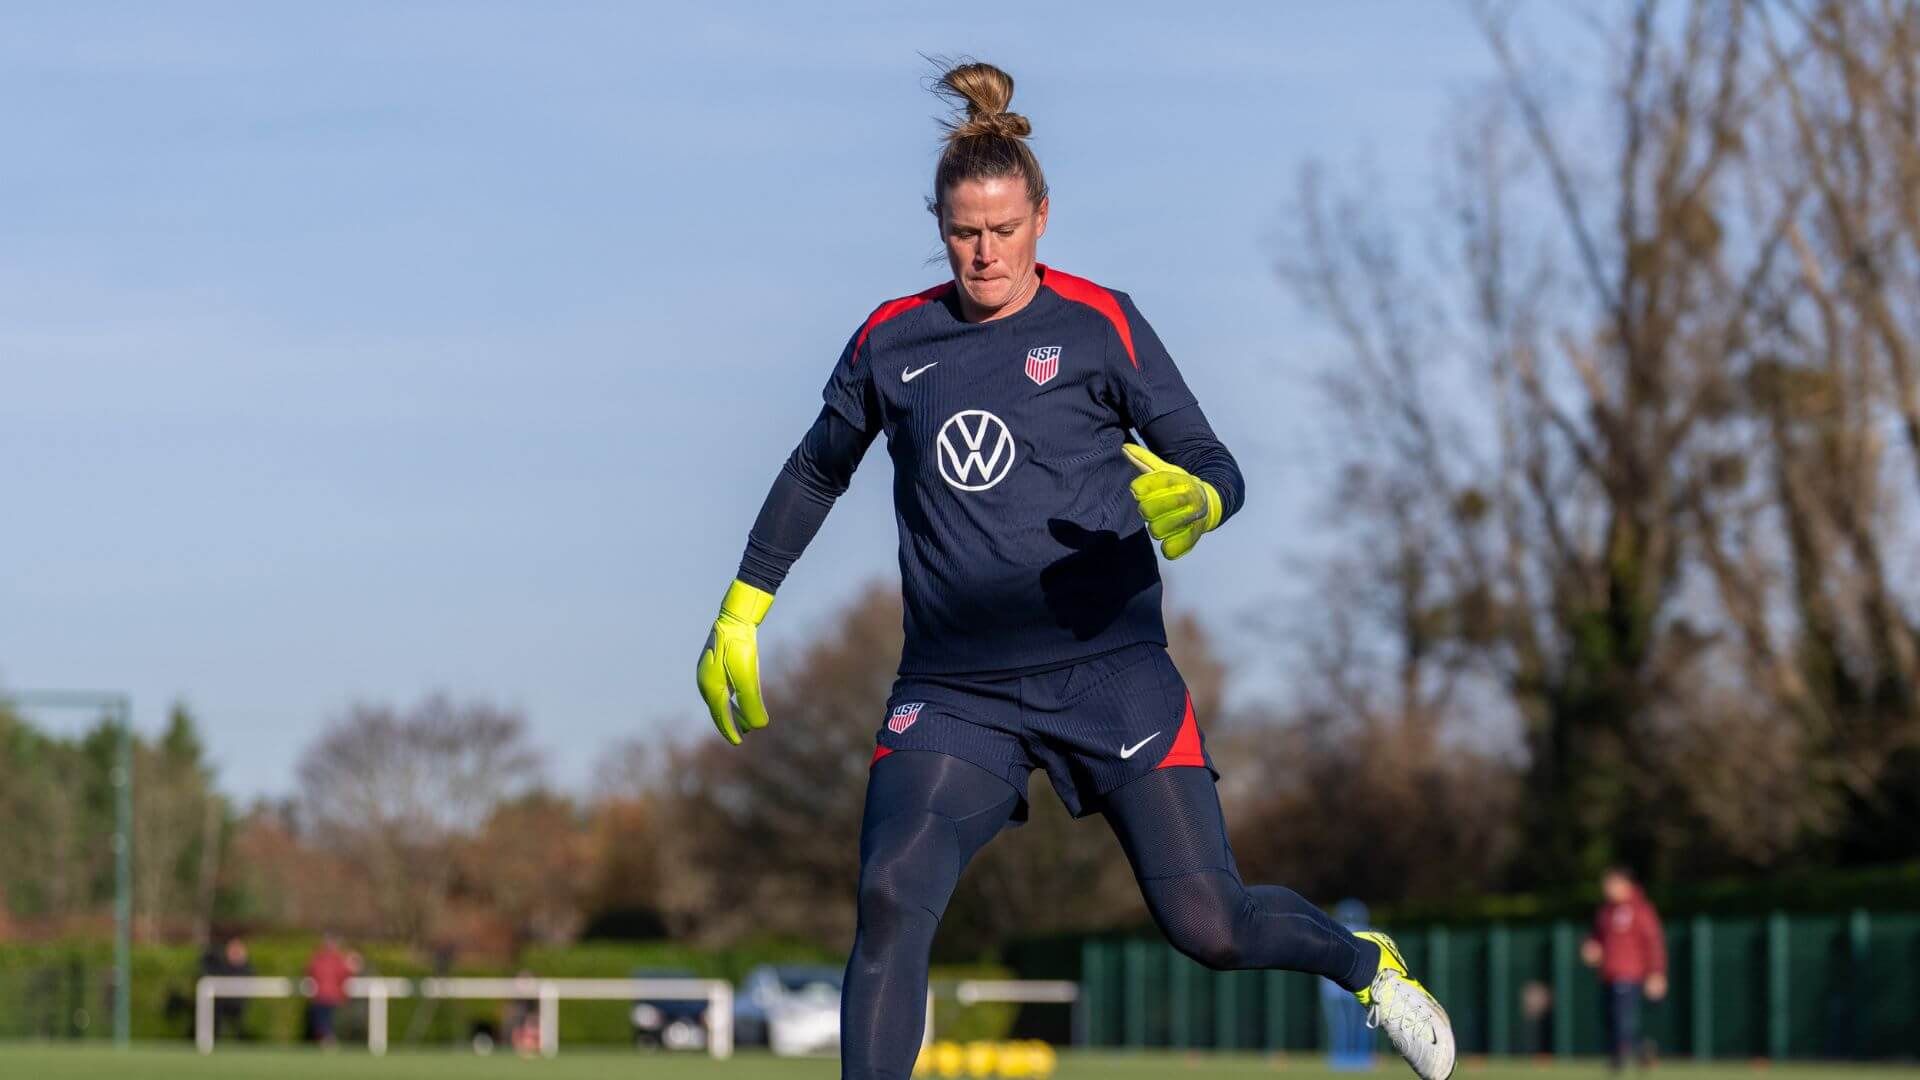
{"points": [[1670, 1023], [1099, 1022], [1780, 986], [1737, 962], [1888, 987], [1459, 970], [1814, 993], [1237, 1015], [1530, 976]]}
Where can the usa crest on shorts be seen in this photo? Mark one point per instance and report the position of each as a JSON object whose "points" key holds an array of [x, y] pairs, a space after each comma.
{"points": [[903, 717], [1043, 364]]}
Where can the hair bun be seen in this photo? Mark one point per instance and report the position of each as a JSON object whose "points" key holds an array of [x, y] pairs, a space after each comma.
{"points": [[984, 91], [1005, 125]]}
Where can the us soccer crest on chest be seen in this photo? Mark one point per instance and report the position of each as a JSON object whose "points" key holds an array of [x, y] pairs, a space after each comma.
{"points": [[1043, 364]]}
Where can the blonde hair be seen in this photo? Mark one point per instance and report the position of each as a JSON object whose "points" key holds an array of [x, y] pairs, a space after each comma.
{"points": [[988, 142]]}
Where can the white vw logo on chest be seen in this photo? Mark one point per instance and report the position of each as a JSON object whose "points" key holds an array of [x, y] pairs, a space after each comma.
{"points": [[975, 450]]}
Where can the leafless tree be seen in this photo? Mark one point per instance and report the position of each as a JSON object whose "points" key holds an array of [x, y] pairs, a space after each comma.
{"points": [[1538, 408], [1812, 560], [395, 791]]}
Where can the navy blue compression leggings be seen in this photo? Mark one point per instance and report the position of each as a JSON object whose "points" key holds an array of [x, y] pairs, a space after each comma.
{"points": [[926, 816]]}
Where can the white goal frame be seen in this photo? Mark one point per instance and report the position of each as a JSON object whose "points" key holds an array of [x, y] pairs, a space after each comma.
{"points": [[548, 993]]}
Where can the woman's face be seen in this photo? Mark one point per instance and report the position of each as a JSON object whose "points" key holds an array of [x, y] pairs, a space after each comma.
{"points": [[992, 235]]}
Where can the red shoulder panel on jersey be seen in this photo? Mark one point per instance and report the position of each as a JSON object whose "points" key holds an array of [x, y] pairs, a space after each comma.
{"points": [[1186, 745], [1082, 291], [894, 307]]}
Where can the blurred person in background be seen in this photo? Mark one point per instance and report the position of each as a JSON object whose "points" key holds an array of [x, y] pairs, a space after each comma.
{"points": [[520, 1016], [228, 959], [327, 973], [1027, 516], [1629, 949]]}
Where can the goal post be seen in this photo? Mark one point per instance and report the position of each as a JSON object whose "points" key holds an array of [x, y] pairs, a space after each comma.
{"points": [[546, 993]]}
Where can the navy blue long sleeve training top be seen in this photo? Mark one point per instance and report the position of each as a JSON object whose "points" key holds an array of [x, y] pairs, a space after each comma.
{"points": [[1021, 545]]}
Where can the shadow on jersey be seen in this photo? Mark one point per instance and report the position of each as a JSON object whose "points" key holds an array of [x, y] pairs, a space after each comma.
{"points": [[1087, 589]]}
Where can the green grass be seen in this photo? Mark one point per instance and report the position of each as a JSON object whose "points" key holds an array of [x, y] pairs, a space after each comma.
{"points": [[59, 1062]]}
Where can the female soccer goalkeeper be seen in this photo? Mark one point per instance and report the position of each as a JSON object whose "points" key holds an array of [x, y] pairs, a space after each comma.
{"points": [[1033, 629]]}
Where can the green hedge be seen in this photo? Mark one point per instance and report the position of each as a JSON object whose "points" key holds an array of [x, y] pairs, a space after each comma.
{"points": [[62, 990]]}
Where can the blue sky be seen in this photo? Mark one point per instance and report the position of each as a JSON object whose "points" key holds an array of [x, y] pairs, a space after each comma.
{"points": [[359, 350]]}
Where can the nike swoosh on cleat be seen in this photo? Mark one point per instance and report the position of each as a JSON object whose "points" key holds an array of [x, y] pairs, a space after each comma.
{"points": [[912, 373], [1128, 751]]}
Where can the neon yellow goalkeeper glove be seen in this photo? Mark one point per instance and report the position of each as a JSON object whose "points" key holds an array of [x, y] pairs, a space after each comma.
{"points": [[1178, 506], [729, 670]]}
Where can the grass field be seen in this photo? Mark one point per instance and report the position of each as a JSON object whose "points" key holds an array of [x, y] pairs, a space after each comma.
{"points": [[53, 1062]]}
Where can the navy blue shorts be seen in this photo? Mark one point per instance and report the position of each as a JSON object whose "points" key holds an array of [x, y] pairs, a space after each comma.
{"points": [[1092, 726]]}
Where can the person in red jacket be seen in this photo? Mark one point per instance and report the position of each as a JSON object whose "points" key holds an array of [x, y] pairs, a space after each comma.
{"points": [[327, 973], [1630, 951]]}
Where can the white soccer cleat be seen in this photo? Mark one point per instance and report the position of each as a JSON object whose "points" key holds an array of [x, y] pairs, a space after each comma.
{"points": [[1412, 1018]]}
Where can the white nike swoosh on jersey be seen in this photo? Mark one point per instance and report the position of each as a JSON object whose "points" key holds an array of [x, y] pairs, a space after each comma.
{"points": [[1128, 751], [911, 373]]}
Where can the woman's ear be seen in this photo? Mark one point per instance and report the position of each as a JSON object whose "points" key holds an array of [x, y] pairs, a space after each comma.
{"points": [[1040, 218]]}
